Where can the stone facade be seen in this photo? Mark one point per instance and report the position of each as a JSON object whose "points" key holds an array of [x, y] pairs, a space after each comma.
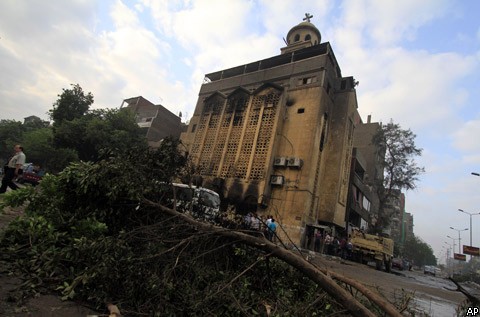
{"points": [[366, 171], [275, 136], [395, 206]]}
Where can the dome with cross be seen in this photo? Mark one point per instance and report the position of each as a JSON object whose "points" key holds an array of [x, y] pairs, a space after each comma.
{"points": [[304, 32]]}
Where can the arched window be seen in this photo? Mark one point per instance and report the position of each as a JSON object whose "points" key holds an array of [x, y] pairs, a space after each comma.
{"points": [[308, 37], [297, 38]]}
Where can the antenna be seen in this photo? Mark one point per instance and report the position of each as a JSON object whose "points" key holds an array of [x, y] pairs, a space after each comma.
{"points": [[285, 41]]}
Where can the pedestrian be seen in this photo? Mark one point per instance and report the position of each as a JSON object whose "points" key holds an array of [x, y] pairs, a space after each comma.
{"points": [[328, 243], [255, 222], [267, 223], [13, 169], [247, 221], [272, 228], [349, 250], [343, 248], [335, 246], [318, 240]]}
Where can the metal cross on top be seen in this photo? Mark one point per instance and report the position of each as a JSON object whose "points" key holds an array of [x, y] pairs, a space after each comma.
{"points": [[307, 17]]}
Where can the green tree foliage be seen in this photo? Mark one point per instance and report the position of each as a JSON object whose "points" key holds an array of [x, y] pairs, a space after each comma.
{"points": [[87, 234], [400, 168], [40, 146], [11, 133], [72, 103], [419, 251], [40, 150], [96, 130], [77, 134]]}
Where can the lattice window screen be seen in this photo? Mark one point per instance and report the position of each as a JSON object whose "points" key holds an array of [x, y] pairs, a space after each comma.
{"points": [[205, 165], [247, 146], [228, 168], [199, 135], [220, 145], [236, 103], [265, 134]]}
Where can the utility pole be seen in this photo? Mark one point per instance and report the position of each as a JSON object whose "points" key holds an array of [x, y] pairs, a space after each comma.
{"points": [[470, 214], [459, 238]]}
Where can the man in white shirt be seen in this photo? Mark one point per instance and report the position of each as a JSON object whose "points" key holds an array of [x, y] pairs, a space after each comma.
{"points": [[13, 169]]}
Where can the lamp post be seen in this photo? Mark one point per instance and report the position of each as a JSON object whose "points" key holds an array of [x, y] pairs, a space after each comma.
{"points": [[459, 238], [470, 214], [452, 246]]}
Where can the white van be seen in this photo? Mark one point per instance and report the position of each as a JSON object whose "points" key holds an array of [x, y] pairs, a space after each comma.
{"points": [[201, 203]]}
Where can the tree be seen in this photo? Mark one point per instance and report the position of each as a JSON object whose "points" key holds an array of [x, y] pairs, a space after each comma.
{"points": [[71, 104], [400, 169], [40, 150], [419, 251], [97, 130], [11, 133]]}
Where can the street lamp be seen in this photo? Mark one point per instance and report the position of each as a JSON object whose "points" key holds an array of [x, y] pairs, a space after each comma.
{"points": [[459, 238], [471, 214], [452, 246]]}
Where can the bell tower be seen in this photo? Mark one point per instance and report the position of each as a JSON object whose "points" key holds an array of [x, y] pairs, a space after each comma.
{"points": [[302, 35]]}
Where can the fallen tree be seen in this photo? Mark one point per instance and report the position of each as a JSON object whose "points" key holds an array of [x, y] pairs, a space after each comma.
{"points": [[99, 232], [314, 273]]}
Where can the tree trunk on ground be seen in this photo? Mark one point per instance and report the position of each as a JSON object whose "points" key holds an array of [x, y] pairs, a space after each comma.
{"points": [[322, 277]]}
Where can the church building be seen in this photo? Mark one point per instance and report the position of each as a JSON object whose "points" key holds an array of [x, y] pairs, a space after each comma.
{"points": [[275, 136]]}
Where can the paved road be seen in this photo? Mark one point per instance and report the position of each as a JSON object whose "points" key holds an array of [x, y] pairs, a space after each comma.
{"points": [[432, 294]]}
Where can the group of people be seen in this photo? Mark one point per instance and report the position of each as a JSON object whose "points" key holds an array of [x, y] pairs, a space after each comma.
{"points": [[268, 226], [13, 169], [331, 245]]}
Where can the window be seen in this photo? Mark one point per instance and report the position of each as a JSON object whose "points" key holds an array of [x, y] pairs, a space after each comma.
{"points": [[301, 110], [307, 80], [297, 38], [308, 37], [194, 127]]}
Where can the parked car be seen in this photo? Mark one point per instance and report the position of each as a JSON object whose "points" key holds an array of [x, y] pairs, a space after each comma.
{"points": [[31, 174], [430, 269], [397, 263]]}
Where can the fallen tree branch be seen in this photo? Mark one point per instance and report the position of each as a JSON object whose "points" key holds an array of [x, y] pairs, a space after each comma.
{"points": [[314, 273], [473, 298], [369, 294]]}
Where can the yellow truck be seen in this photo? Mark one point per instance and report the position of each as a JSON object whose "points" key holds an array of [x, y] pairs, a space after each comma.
{"points": [[369, 247]]}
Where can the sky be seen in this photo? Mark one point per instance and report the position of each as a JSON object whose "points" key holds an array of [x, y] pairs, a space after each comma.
{"points": [[417, 62]]}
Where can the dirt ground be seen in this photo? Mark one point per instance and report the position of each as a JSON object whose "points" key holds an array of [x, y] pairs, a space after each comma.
{"points": [[433, 296]]}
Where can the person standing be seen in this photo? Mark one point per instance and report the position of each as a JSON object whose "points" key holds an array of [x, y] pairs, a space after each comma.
{"points": [[272, 228], [13, 169], [318, 240], [328, 243]]}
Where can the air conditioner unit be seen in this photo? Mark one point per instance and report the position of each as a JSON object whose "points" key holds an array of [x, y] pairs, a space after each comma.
{"points": [[280, 161], [276, 180], [295, 162]]}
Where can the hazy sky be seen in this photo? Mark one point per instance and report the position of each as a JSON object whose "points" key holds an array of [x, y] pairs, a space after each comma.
{"points": [[417, 62]]}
